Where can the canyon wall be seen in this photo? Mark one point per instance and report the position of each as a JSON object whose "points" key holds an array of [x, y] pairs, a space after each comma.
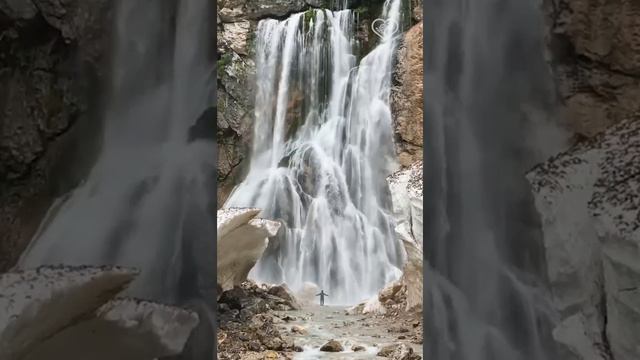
{"points": [[51, 63], [587, 197], [594, 51]]}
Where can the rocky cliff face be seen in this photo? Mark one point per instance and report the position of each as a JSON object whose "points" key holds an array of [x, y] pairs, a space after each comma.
{"points": [[50, 65], [405, 186], [587, 197], [589, 201], [408, 98], [594, 51]]}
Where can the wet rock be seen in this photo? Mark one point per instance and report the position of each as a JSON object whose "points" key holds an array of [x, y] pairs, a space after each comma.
{"points": [[296, 329], [386, 351], [298, 348], [235, 298], [254, 345], [332, 346], [283, 292], [358, 348], [398, 352], [273, 343]]}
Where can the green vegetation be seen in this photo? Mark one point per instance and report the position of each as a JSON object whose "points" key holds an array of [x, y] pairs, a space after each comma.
{"points": [[223, 62], [361, 10], [309, 16]]}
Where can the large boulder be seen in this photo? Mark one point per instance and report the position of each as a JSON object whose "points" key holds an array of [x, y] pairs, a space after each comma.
{"points": [[282, 291], [332, 346], [127, 329], [242, 239], [588, 200], [71, 313]]}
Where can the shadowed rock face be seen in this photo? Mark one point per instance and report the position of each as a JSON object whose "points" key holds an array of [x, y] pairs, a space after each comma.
{"points": [[51, 60], [595, 54], [587, 198], [71, 313]]}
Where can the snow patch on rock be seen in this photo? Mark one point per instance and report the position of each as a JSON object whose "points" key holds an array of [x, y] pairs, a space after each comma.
{"points": [[242, 239], [61, 312], [589, 202], [406, 197], [53, 298]]}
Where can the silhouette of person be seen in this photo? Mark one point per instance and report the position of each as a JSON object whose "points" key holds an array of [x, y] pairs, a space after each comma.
{"points": [[322, 295]]}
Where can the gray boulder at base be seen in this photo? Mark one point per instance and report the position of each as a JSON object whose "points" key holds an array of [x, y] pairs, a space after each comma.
{"points": [[70, 313]]}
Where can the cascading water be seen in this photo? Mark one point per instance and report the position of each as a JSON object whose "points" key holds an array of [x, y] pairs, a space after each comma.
{"points": [[486, 81], [322, 150], [149, 201]]}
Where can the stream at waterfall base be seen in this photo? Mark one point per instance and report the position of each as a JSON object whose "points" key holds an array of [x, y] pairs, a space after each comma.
{"points": [[314, 326], [324, 323]]}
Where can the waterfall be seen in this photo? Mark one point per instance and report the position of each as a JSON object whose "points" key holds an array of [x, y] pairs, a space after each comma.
{"points": [[322, 149], [487, 89], [149, 200]]}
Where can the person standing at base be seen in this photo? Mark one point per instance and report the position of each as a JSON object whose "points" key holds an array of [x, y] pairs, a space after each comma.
{"points": [[322, 295]]}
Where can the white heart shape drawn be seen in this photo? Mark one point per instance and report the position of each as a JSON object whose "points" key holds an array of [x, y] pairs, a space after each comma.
{"points": [[379, 27]]}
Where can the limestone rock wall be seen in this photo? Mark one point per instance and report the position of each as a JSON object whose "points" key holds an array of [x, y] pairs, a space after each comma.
{"points": [[408, 98], [51, 60], [587, 196], [589, 202], [594, 50]]}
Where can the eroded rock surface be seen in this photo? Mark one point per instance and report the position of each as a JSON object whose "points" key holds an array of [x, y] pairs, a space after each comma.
{"points": [[595, 54], [589, 202], [72, 313], [408, 98], [247, 326], [51, 60]]}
